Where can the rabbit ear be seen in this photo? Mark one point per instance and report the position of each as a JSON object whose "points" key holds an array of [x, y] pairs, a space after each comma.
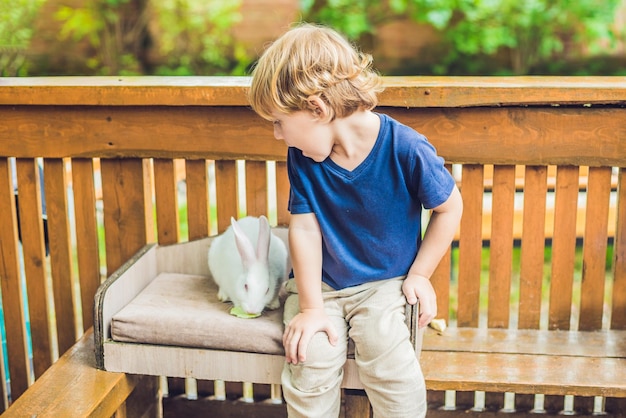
{"points": [[244, 246], [263, 240]]}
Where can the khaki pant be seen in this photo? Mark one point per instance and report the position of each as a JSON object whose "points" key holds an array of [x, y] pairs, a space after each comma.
{"points": [[372, 315]]}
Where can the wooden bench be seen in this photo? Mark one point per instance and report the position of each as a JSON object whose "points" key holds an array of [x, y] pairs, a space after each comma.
{"points": [[529, 332]]}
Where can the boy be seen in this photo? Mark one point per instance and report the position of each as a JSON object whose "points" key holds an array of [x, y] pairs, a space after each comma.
{"points": [[358, 182]]}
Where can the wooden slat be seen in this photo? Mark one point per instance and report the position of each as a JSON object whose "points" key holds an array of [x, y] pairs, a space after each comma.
{"points": [[594, 249], [533, 244], [226, 190], [87, 246], [593, 344], [55, 183], [282, 193], [501, 247], [563, 247], [441, 282], [470, 246], [519, 373], [618, 311], [12, 295], [197, 182], [124, 193], [4, 393], [489, 135], [31, 226], [256, 188], [166, 195]]}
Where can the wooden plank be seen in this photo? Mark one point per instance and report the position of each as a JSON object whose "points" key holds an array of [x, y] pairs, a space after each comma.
{"points": [[31, 226], [124, 194], [256, 188], [501, 246], [55, 183], [166, 194], [563, 248], [12, 295], [226, 191], [489, 136], [441, 282], [594, 249], [74, 387], [618, 311], [87, 246], [282, 193], [197, 183], [470, 246], [402, 91], [593, 344], [533, 244], [550, 375]]}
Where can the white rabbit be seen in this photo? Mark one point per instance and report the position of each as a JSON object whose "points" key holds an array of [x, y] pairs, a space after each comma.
{"points": [[250, 278]]}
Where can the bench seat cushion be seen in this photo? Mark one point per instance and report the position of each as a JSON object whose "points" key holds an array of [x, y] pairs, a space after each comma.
{"points": [[183, 310]]}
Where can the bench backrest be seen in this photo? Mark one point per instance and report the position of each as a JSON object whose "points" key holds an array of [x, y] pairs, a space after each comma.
{"points": [[539, 161]]}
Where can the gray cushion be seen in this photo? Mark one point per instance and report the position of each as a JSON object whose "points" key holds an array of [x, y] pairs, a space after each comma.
{"points": [[183, 310]]}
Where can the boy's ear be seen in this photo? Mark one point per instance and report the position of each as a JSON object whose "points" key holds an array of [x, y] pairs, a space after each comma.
{"points": [[318, 106]]}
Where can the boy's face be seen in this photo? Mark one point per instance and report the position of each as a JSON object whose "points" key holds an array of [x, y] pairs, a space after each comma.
{"points": [[304, 131]]}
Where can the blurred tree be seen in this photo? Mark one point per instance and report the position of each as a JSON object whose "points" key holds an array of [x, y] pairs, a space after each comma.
{"points": [[16, 23], [115, 29], [526, 31], [195, 38], [166, 37]]}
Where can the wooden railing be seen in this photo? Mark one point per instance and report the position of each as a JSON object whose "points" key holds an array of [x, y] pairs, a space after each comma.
{"points": [[114, 151]]}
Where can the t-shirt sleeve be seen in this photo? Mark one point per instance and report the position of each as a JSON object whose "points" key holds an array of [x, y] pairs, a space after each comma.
{"points": [[431, 179]]}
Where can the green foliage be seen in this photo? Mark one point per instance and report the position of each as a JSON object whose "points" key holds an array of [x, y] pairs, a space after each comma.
{"points": [[522, 33], [16, 31], [166, 37], [112, 28], [195, 37]]}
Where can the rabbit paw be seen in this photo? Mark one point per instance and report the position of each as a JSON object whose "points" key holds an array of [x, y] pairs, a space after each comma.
{"points": [[274, 304], [222, 296]]}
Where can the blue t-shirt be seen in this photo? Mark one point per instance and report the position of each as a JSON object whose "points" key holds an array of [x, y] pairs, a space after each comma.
{"points": [[370, 217]]}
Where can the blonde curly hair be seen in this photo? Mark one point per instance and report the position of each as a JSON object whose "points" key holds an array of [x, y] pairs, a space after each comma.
{"points": [[312, 60]]}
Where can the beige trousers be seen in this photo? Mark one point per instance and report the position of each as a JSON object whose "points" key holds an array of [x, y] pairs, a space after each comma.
{"points": [[372, 315]]}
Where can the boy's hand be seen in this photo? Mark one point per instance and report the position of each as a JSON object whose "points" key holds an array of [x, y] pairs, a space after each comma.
{"points": [[301, 329], [419, 287]]}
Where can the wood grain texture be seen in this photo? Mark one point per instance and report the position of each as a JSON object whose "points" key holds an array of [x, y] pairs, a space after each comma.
{"points": [[12, 295], [87, 245], [501, 247], [525, 136], [226, 190], [533, 245], [74, 387], [166, 194], [594, 249], [470, 246], [618, 315], [256, 188], [415, 91], [37, 287], [197, 183], [57, 209], [125, 201], [563, 248]]}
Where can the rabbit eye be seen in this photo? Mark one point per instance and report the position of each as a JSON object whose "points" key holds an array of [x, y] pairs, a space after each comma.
{"points": [[246, 287]]}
